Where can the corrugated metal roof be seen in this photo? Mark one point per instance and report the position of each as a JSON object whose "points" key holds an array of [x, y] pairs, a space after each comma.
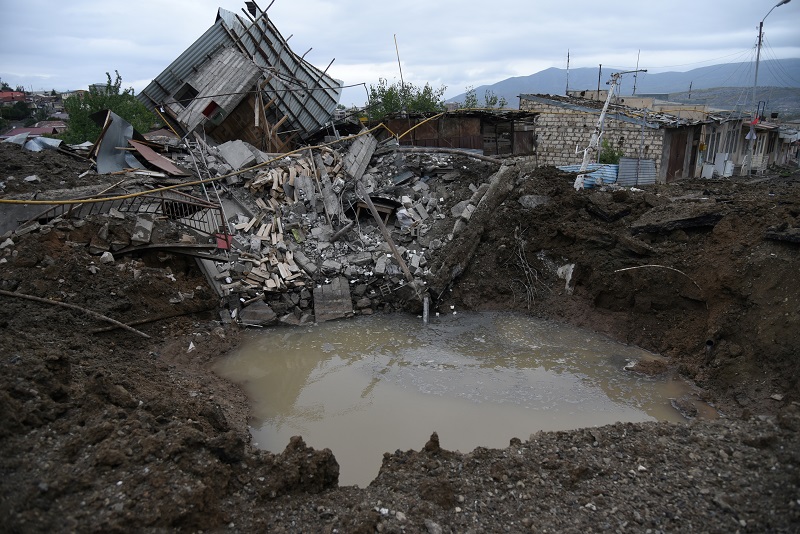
{"points": [[594, 173], [636, 172]]}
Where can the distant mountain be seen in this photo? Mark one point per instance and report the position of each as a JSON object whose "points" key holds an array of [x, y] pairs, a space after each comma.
{"points": [[774, 73]]}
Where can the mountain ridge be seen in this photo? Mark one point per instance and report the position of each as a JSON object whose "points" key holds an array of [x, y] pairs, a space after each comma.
{"points": [[784, 73]]}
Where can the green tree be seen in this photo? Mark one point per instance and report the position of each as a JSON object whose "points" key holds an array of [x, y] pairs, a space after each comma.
{"points": [[470, 98], [385, 99], [81, 128], [492, 100], [16, 112]]}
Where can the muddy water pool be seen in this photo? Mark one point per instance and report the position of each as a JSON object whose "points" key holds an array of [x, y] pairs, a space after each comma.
{"points": [[370, 385]]}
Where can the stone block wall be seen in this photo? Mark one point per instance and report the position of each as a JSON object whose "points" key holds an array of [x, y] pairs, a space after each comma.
{"points": [[560, 130]]}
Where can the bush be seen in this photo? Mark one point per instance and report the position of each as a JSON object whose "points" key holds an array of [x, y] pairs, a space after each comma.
{"points": [[81, 128], [609, 154], [385, 99]]}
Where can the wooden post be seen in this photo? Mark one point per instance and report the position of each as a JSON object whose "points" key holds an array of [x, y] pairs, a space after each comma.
{"points": [[365, 197]]}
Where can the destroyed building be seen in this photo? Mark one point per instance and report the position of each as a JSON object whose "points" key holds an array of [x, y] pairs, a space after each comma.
{"points": [[241, 81]]}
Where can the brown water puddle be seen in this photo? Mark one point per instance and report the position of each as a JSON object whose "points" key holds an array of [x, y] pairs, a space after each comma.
{"points": [[370, 385]]}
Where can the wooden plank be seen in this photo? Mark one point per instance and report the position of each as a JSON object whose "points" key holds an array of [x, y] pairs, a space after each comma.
{"points": [[284, 271], [250, 224]]}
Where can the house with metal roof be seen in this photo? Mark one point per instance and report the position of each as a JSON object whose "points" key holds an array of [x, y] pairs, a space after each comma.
{"points": [[240, 80], [9, 97], [662, 141]]}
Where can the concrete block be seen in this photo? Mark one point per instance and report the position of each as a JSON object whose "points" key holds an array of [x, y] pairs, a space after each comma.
{"points": [[468, 211], [361, 259], [142, 230], [331, 266], [380, 266], [421, 211], [458, 209], [304, 263]]}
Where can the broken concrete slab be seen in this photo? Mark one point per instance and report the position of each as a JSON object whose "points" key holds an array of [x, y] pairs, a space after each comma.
{"points": [[333, 301], [331, 266], [237, 154], [257, 314]]}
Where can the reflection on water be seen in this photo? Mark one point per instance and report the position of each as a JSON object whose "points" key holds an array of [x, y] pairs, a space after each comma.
{"points": [[374, 384]]}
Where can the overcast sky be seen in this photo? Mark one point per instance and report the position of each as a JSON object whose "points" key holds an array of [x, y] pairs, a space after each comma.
{"points": [[66, 45]]}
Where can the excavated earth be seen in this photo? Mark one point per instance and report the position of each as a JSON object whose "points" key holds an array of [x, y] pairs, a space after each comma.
{"points": [[111, 431]]}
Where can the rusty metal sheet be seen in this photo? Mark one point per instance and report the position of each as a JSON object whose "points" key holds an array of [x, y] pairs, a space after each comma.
{"points": [[157, 159]]}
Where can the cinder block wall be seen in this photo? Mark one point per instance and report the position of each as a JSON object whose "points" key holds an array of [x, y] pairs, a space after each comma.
{"points": [[560, 130]]}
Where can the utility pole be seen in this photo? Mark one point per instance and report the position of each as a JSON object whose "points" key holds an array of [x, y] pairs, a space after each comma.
{"points": [[636, 76], [567, 92], [751, 136], [598, 130], [402, 83], [599, 74]]}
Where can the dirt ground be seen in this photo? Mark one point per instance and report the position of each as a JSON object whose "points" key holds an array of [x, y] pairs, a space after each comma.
{"points": [[110, 431]]}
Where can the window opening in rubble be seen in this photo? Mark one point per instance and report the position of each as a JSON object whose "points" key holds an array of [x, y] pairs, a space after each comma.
{"points": [[186, 94]]}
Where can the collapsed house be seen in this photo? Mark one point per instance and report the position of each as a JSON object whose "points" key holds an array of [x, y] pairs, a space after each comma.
{"points": [[241, 81]]}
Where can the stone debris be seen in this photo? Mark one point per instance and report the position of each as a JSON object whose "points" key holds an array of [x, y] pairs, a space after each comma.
{"points": [[302, 238], [299, 242]]}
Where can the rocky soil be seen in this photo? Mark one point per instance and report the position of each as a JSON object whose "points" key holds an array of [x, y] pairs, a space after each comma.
{"points": [[111, 431]]}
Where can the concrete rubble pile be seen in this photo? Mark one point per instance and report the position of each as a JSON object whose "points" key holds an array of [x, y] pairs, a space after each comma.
{"points": [[304, 245]]}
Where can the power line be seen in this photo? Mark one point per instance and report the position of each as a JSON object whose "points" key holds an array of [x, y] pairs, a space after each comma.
{"points": [[740, 52], [777, 61]]}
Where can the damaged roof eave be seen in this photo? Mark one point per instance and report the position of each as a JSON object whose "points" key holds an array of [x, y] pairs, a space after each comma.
{"points": [[592, 111]]}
